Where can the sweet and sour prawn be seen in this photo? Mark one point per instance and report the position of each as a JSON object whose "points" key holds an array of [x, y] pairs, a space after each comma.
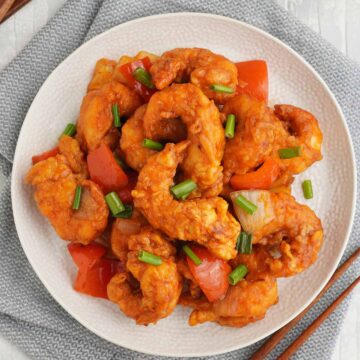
{"points": [[289, 235], [95, 123], [204, 131], [55, 186], [201, 67], [102, 74], [260, 133], [160, 286], [205, 221]]}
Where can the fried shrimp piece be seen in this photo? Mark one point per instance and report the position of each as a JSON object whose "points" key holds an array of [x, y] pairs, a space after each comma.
{"points": [[121, 231], [289, 234], [95, 120], [246, 302], [132, 137], [103, 74], [201, 67], [204, 131], [205, 221], [261, 132], [54, 194], [70, 148], [160, 286]]}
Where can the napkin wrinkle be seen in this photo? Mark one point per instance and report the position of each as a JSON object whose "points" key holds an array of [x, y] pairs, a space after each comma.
{"points": [[29, 317]]}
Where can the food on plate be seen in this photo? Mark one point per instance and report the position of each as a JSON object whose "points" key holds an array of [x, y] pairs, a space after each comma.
{"points": [[174, 187]]}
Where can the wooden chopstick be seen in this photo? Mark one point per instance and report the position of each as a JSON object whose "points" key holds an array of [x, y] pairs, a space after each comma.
{"points": [[280, 334], [317, 322], [17, 5], [4, 7]]}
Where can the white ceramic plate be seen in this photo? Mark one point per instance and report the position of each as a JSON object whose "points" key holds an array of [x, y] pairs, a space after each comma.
{"points": [[292, 81]]}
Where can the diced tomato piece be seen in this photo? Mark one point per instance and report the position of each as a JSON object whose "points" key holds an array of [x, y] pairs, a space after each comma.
{"points": [[211, 275], [94, 271], [105, 171], [262, 178], [125, 192], [45, 155], [253, 79], [127, 70]]}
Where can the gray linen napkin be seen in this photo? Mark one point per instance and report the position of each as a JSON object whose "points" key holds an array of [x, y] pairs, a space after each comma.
{"points": [[29, 317]]}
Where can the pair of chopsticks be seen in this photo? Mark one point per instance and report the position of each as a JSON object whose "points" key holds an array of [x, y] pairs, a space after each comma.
{"points": [[280, 334], [10, 7]]}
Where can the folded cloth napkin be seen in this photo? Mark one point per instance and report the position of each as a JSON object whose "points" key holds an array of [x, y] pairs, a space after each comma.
{"points": [[29, 317]]}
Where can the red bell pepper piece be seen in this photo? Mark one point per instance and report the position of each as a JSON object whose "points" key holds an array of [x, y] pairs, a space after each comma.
{"points": [[94, 272], [45, 155], [125, 192]]}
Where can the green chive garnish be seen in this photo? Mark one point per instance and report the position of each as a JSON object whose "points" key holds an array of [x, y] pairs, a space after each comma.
{"points": [[307, 189], [114, 202], [77, 198], [126, 214], [289, 153], [70, 130], [144, 77], [245, 204], [116, 116], [149, 258], [221, 88], [244, 243], [153, 145], [230, 126], [237, 274], [183, 189], [195, 259]]}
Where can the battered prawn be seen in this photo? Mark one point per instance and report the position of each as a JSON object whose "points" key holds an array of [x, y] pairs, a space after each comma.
{"points": [[205, 221], [70, 148], [201, 66], [246, 302], [204, 131], [95, 120], [160, 286], [132, 137], [289, 234], [54, 194], [260, 133], [103, 73]]}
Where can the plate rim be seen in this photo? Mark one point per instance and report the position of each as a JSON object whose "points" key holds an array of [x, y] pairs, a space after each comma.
{"points": [[353, 163]]}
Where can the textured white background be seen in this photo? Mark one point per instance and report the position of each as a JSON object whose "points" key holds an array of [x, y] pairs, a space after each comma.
{"points": [[337, 20]]}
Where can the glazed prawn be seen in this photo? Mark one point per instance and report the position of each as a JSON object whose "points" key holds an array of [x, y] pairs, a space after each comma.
{"points": [[260, 133], [201, 67], [103, 74], [160, 286], [132, 137], [246, 302], [289, 235], [205, 221], [95, 120], [204, 131], [54, 194]]}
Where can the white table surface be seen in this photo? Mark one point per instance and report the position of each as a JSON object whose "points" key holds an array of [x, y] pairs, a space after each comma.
{"points": [[336, 20]]}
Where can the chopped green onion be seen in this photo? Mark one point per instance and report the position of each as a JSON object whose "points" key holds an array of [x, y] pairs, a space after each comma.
{"points": [[114, 202], [183, 189], [143, 76], [244, 243], [149, 258], [237, 274], [126, 214], [69, 130], [307, 189], [289, 153], [245, 204], [230, 126], [221, 88], [153, 145], [77, 198], [195, 259], [116, 116]]}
